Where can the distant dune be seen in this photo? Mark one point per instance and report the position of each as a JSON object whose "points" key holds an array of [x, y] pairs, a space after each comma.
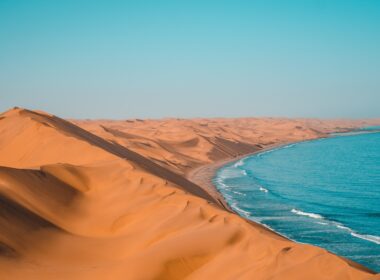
{"points": [[183, 144], [110, 200]]}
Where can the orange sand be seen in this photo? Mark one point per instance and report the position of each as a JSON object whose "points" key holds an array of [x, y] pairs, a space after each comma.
{"points": [[111, 201]]}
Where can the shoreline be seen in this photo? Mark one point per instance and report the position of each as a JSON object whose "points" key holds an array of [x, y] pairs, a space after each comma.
{"points": [[203, 177], [204, 174]]}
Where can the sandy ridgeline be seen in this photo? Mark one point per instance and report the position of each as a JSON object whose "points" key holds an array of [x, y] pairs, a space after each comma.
{"points": [[109, 200]]}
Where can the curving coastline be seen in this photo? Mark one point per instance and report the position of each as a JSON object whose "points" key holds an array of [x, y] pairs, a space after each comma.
{"points": [[203, 176]]}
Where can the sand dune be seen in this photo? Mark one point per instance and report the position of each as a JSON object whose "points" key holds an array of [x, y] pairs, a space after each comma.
{"points": [[182, 145], [108, 200]]}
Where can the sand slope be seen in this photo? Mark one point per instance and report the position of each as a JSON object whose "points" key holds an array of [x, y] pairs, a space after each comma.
{"points": [[77, 206]]}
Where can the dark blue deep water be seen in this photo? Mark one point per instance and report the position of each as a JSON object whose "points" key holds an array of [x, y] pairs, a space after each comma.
{"points": [[324, 192]]}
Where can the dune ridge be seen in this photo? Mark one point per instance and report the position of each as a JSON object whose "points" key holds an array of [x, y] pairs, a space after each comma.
{"points": [[109, 200]]}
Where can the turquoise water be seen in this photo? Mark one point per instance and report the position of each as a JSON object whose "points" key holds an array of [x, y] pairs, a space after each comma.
{"points": [[324, 192]]}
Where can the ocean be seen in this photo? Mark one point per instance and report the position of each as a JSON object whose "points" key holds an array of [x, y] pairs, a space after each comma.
{"points": [[324, 192]]}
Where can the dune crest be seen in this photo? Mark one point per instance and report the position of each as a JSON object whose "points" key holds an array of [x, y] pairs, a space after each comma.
{"points": [[115, 204]]}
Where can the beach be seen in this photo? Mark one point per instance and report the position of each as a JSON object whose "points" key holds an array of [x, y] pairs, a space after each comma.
{"points": [[251, 195], [204, 174]]}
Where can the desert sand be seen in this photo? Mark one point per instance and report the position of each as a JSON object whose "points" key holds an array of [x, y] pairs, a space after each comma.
{"points": [[102, 199]]}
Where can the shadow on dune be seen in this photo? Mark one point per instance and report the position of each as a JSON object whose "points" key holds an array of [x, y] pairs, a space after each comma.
{"points": [[74, 131]]}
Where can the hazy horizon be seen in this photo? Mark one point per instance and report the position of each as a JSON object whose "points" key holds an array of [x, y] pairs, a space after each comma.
{"points": [[158, 59]]}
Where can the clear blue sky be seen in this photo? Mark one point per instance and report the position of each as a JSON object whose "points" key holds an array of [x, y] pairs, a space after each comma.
{"points": [[149, 59]]}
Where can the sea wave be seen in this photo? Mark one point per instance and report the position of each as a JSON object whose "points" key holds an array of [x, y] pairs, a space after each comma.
{"points": [[239, 163], [343, 227], [229, 173], [220, 184], [226, 189], [368, 237], [239, 193], [239, 210], [237, 166], [307, 214], [227, 197], [288, 146]]}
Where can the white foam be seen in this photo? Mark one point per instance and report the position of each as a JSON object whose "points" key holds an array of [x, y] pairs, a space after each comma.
{"points": [[240, 211], [288, 146], [238, 163], [227, 197], [371, 238], [310, 215], [239, 193], [368, 237], [220, 183], [229, 173], [263, 189], [343, 227]]}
